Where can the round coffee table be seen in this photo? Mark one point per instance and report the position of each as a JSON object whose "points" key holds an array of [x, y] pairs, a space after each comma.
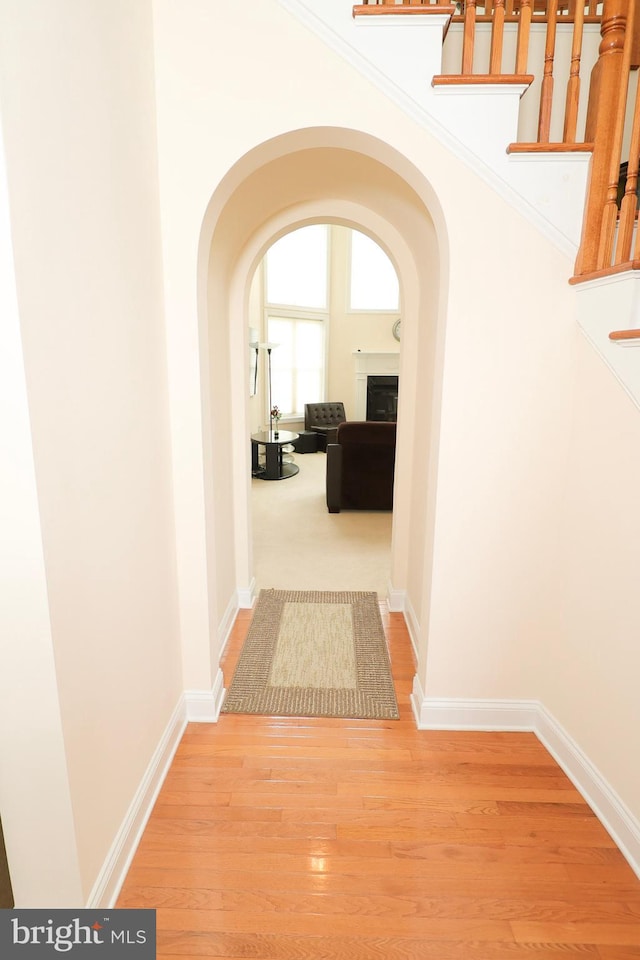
{"points": [[275, 468]]}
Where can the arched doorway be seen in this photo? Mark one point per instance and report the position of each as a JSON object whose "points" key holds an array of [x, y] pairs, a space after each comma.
{"points": [[320, 175]]}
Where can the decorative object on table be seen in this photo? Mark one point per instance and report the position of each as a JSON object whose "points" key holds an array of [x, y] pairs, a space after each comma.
{"points": [[274, 418], [314, 654], [395, 330]]}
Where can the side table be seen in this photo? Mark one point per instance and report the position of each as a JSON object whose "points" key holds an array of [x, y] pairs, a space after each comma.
{"points": [[275, 468]]}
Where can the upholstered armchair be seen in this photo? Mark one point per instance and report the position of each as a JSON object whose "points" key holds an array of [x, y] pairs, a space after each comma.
{"points": [[360, 466], [324, 419]]}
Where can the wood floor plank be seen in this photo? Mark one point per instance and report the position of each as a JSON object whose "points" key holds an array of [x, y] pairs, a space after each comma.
{"points": [[277, 838], [260, 946], [609, 934]]}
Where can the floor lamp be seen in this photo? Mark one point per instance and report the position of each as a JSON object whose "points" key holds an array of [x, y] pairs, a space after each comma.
{"points": [[269, 347]]}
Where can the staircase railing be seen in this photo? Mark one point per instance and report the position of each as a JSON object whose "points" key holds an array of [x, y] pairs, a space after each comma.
{"points": [[509, 60], [610, 239]]}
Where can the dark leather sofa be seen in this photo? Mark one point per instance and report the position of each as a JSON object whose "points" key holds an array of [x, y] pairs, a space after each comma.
{"points": [[360, 466], [324, 419]]}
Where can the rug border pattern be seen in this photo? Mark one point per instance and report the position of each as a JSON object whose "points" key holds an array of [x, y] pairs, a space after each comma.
{"points": [[374, 695]]}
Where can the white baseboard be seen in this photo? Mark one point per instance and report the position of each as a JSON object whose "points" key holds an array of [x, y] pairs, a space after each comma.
{"points": [[114, 870], [203, 706], [226, 624], [228, 618], [396, 599], [610, 810], [443, 713], [412, 626], [247, 596]]}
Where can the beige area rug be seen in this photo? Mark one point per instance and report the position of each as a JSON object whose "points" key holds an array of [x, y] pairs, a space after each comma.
{"points": [[314, 654]]}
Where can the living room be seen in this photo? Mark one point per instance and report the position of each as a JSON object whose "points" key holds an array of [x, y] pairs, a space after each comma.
{"points": [[326, 299]]}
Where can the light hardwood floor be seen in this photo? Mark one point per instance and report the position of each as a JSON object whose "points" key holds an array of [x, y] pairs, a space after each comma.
{"points": [[288, 839]]}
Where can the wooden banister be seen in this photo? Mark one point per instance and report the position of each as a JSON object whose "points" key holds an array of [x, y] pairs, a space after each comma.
{"points": [[605, 124]]}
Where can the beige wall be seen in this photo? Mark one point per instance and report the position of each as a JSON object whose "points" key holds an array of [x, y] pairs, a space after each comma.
{"points": [[590, 683], [76, 82]]}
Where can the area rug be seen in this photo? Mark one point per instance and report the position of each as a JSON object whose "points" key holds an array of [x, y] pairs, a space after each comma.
{"points": [[314, 654]]}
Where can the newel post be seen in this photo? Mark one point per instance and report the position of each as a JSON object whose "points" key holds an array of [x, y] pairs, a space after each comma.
{"points": [[604, 128]]}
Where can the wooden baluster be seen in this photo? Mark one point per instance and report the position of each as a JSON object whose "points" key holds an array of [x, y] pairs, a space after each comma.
{"points": [[468, 36], [630, 200], [524, 30], [610, 214], [497, 37], [573, 84], [605, 124], [546, 93]]}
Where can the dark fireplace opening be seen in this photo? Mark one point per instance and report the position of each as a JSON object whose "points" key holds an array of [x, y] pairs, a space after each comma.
{"points": [[382, 398]]}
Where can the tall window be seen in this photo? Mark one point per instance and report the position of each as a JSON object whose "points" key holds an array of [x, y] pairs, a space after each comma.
{"points": [[374, 282], [296, 284]]}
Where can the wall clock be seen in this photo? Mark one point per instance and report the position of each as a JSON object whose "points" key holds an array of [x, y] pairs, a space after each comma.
{"points": [[395, 330]]}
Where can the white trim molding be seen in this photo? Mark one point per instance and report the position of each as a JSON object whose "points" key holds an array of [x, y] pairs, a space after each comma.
{"points": [[396, 599], [118, 860], [449, 713], [371, 364], [247, 596], [413, 627], [608, 807], [444, 713], [203, 706]]}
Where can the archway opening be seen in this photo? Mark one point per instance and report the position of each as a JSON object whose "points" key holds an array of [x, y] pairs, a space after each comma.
{"points": [[312, 176], [323, 335]]}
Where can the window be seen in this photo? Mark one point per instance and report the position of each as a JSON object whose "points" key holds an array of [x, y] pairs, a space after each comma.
{"points": [[297, 363], [296, 313], [297, 268], [374, 282]]}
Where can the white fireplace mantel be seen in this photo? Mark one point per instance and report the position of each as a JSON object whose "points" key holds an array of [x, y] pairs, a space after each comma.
{"points": [[371, 364]]}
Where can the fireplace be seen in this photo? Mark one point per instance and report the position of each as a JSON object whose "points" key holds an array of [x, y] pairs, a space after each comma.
{"points": [[382, 398], [372, 364]]}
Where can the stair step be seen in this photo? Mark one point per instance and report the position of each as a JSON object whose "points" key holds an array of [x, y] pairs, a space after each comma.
{"points": [[378, 10], [550, 148], [482, 79]]}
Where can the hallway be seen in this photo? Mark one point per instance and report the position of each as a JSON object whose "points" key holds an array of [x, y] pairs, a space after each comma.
{"points": [[275, 838]]}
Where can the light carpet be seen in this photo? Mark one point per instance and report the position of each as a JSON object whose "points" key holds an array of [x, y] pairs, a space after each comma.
{"points": [[299, 545], [314, 654]]}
